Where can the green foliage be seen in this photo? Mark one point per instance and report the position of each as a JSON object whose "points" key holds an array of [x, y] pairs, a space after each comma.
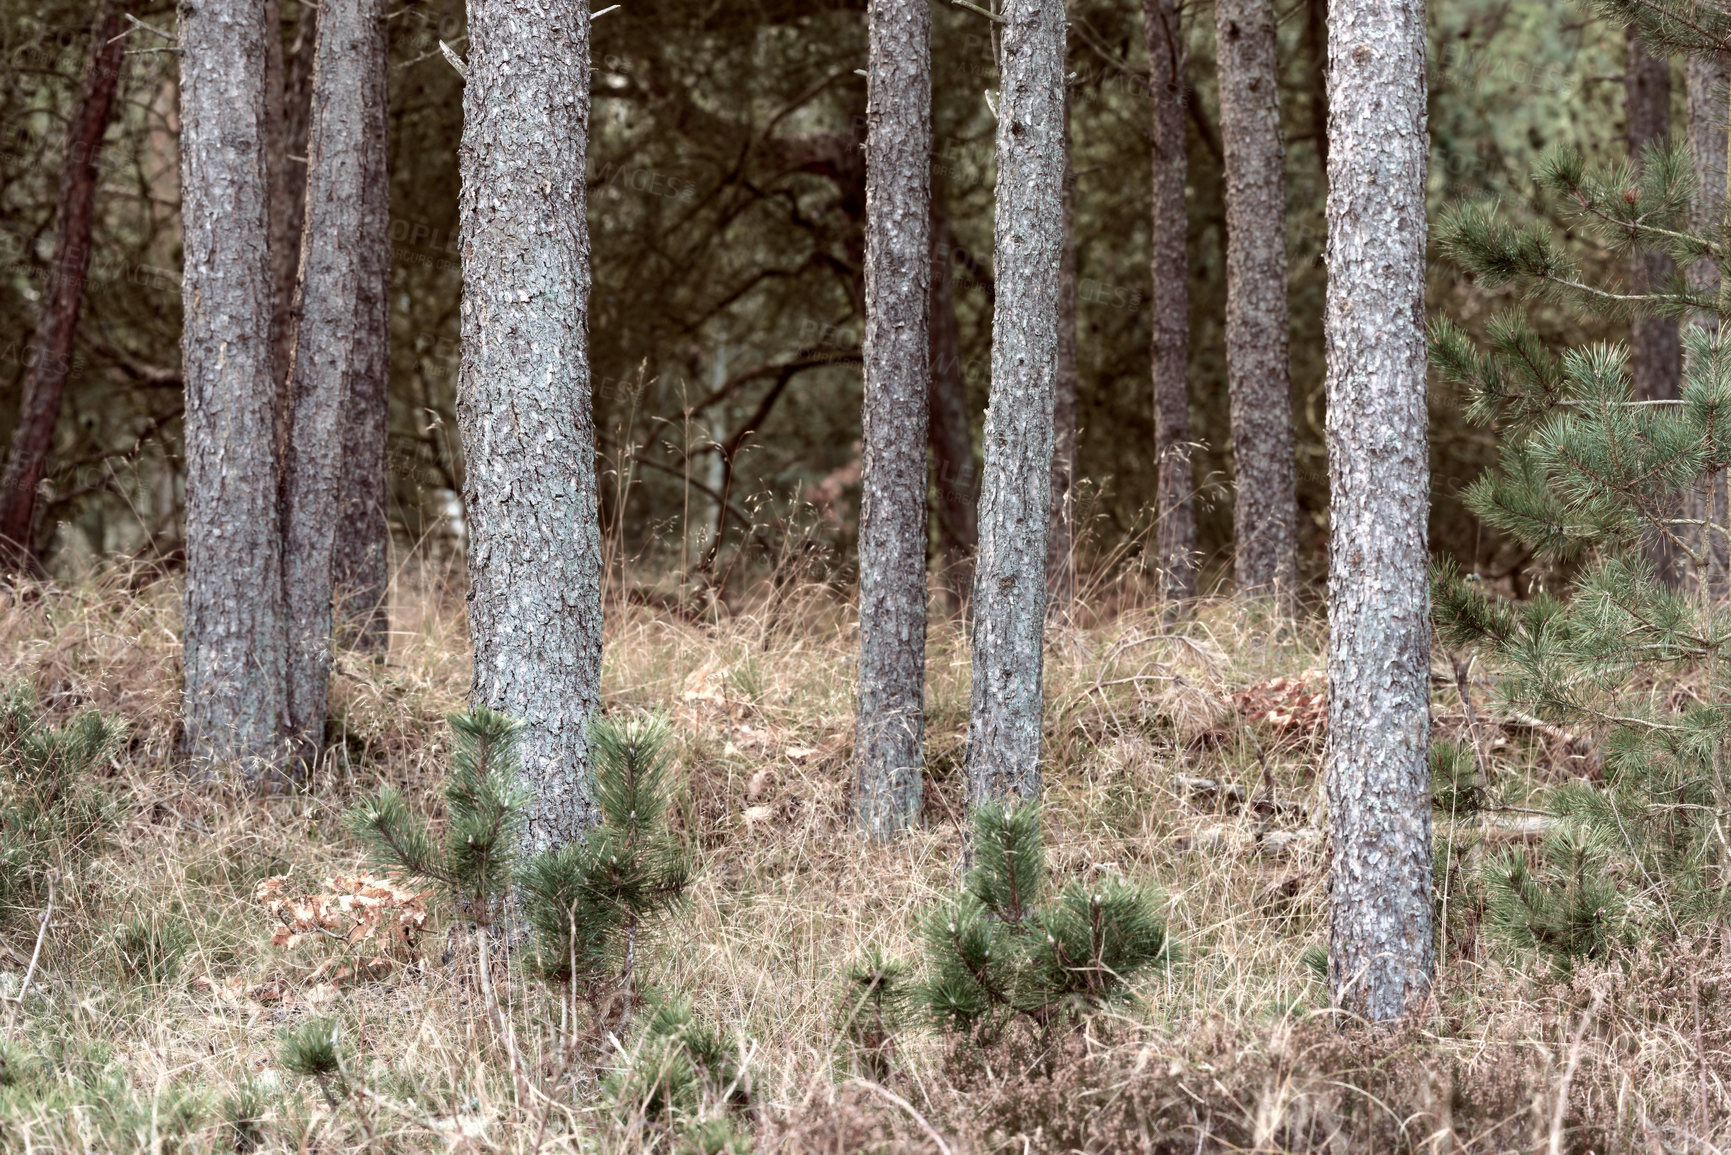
{"points": [[312, 1049], [485, 814], [1570, 907], [587, 900], [873, 1007], [1607, 489], [1000, 947], [243, 1114], [682, 1076], [1457, 789], [151, 947], [51, 808]]}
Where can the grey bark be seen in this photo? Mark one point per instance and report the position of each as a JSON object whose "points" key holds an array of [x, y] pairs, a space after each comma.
{"points": [[954, 476], [892, 533], [1061, 543], [63, 298], [360, 554], [1265, 503], [1707, 79], [1655, 349], [235, 702], [1380, 925], [523, 404], [334, 324], [1175, 531], [1003, 754]]}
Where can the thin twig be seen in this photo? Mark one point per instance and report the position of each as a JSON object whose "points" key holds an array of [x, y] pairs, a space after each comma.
{"points": [[931, 1132], [41, 933]]}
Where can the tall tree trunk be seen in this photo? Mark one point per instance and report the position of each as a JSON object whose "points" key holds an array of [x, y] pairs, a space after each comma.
{"points": [[1707, 81], [955, 478], [360, 554], [1175, 533], [1655, 350], [524, 406], [1265, 503], [51, 348], [333, 330], [1381, 950], [1003, 755], [1061, 546], [235, 690], [893, 524]]}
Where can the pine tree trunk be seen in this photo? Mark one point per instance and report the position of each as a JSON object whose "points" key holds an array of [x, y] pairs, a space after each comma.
{"points": [[235, 703], [1265, 504], [1707, 100], [1003, 756], [1061, 546], [1655, 351], [892, 530], [1175, 534], [51, 348], [1381, 950], [523, 399], [950, 431], [360, 553], [336, 302]]}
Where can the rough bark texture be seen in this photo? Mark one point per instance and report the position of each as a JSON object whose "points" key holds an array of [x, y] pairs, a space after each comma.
{"points": [[1380, 940], [360, 554], [954, 476], [1175, 535], [523, 401], [333, 321], [63, 296], [1654, 349], [1265, 503], [1003, 757], [1707, 98], [892, 532], [235, 694], [1061, 543]]}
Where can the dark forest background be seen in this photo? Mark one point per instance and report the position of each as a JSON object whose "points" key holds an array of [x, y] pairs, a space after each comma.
{"points": [[726, 205]]}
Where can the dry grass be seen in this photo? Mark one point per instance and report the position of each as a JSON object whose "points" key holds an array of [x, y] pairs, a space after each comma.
{"points": [[1227, 1049]]}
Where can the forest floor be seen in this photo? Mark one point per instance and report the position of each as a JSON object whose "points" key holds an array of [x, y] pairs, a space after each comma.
{"points": [[1182, 755]]}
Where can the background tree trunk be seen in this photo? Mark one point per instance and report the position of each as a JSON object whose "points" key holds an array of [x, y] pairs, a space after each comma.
{"points": [[1175, 535], [523, 395], [235, 692], [892, 530], [1265, 503], [334, 327], [1707, 100], [360, 556], [955, 478], [1381, 949], [51, 348], [1061, 546], [1003, 756]]}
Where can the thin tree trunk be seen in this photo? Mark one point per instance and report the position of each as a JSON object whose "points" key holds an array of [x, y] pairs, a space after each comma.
{"points": [[524, 406], [1175, 532], [235, 703], [1707, 100], [955, 478], [892, 531], [1316, 37], [360, 557], [51, 348], [1265, 503], [1381, 950], [1003, 754], [1061, 546], [335, 302], [1655, 350]]}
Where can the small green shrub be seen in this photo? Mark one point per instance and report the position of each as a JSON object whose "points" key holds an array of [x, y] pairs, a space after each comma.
{"points": [[151, 947], [683, 1079], [486, 811], [51, 810], [1003, 947]]}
